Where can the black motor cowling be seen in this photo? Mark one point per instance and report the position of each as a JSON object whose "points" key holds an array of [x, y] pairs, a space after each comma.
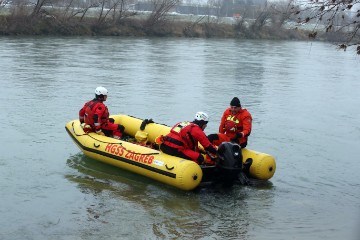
{"points": [[229, 162]]}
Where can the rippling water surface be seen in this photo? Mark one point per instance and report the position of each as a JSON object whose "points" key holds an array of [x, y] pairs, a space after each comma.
{"points": [[304, 98]]}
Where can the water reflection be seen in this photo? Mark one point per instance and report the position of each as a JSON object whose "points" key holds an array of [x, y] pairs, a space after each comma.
{"points": [[226, 213]]}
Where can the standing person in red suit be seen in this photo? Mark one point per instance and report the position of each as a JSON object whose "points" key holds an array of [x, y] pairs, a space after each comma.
{"points": [[235, 125], [95, 115], [183, 139]]}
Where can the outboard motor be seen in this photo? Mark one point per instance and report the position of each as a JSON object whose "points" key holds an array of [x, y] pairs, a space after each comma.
{"points": [[229, 162]]}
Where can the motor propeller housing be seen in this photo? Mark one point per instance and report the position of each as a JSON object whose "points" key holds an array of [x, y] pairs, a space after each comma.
{"points": [[229, 163], [230, 156]]}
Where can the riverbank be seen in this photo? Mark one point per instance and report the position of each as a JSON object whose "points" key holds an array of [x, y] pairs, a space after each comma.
{"points": [[60, 22], [25, 25]]}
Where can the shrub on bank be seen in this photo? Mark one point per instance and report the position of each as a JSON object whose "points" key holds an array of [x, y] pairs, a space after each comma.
{"points": [[20, 22], [27, 25]]}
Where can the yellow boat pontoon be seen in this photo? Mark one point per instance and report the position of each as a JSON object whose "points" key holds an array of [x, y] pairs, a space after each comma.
{"points": [[137, 152]]}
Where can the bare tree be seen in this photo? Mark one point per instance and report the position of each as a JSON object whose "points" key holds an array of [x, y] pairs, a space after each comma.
{"points": [[160, 8], [190, 29], [3, 3], [101, 17], [39, 7], [117, 9], [280, 12], [121, 10], [261, 19], [342, 16]]}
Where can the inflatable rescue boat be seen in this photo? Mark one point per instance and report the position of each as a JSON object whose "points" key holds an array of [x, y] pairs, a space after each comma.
{"points": [[137, 152]]}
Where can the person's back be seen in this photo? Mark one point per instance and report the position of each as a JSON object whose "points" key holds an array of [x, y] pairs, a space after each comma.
{"points": [[90, 110]]}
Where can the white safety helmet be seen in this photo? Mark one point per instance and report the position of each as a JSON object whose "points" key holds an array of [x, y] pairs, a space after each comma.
{"points": [[201, 116], [101, 91]]}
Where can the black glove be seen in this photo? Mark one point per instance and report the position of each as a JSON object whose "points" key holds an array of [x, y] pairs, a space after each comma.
{"points": [[211, 150], [121, 128], [200, 159], [236, 138]]}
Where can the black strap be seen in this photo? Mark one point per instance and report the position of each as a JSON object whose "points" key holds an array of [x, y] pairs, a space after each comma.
{"points": [[145, 122], [174, 141], [192, 140]]}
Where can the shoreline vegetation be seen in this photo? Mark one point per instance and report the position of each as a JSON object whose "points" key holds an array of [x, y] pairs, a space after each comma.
{"points": [[24, 20]]}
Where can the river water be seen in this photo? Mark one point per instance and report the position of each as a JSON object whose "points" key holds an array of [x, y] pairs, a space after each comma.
{"points": [[304, 98]]}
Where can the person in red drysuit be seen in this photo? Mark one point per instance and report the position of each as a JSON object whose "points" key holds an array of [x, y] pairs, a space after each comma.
{"points": [[235, 125], [95, 115], [183, 139]]}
